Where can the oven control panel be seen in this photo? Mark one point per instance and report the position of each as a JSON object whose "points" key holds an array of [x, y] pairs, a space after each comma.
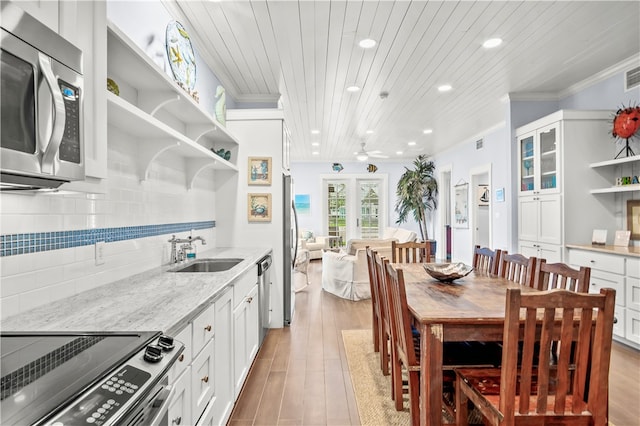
{"points": [[104, 401]]}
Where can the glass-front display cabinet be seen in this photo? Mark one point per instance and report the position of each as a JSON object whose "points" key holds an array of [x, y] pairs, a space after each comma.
{"points": [[539, 160]]}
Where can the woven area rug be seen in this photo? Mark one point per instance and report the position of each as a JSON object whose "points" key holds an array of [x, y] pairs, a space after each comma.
{"points": [[372, 389]]}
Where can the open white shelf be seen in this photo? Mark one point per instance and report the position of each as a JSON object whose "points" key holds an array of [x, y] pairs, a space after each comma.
{"points": [[615, 162], [159, 113], [621, 188]]}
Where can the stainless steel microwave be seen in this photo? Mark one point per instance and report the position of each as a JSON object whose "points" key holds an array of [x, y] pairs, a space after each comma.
{"points": [[41, 102]]}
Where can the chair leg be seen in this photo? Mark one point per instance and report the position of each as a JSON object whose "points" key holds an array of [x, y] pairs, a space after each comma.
{"points": [[384, 354], [414, 397], [462, 414], [376, 333], [396, 384]]}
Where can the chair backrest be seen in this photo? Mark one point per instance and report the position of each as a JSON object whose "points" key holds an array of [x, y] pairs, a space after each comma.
{"points": [[400, 317], [579, 380], [411, 252], [486, 260], [373, 283], [559, 275], [517, 268], [383, 291]]}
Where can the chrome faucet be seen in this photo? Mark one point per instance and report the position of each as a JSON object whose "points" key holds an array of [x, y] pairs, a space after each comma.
{"points": [[179, 256]]}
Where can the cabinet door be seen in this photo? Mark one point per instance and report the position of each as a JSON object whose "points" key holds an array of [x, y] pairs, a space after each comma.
{"points": [[551, 252], [548, 169], [632, 326], [202, 380], [528, 163], [253, 325], [202, 329], [239, 346], [224, 395], [528, 249], [528, 218], [180, 405], [550, 219]]}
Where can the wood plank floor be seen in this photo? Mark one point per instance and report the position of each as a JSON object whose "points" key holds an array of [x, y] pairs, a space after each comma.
{"points": [[301, 377]]}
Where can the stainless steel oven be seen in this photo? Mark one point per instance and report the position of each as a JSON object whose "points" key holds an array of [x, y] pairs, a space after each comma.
{"points": [[101, 379], [41, 114]]}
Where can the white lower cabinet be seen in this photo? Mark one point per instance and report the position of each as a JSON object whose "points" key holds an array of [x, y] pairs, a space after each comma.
{"points": [[220, 346], [552, 253], [619, 272]]}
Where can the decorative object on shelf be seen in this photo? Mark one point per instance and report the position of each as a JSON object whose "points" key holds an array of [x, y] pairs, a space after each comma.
{"points": [[337, 167], [303, 203], [221, 106], [372, 168], [483, 195], [259, 207], [447, 272], [417, 193], [227, 155], [112, 86], [599, 237], [223, 153], [461, 206], [622, 238], [625, 126], [259, 171], [627, 180], [182, 58], [633, 218]]}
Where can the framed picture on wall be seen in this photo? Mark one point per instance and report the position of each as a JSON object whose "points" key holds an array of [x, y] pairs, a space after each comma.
{"points": [[483, 195], [259, 207], [633, 218], [461, 206], [259, 171]]}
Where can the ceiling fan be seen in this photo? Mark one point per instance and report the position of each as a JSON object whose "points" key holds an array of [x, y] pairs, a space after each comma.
{"points": [[364, 155]]}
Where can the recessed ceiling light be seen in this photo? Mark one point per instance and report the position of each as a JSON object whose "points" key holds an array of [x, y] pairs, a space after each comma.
{"points": [[412, 143], [369, 132], [367, 43], [315, 132], [315, 144], [315, 153], [491, 43], [399, 152], [444, 88], [353, 89], [427, 131]]}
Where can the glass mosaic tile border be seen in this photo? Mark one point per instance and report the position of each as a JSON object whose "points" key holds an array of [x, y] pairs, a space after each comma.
{"points": [[16, 244]]}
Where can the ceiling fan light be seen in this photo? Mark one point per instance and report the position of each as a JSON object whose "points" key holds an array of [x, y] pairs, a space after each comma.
{"points": [[362, 156]]}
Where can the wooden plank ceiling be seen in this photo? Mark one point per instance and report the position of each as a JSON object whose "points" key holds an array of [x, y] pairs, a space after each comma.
{"points": [[306, 54]]}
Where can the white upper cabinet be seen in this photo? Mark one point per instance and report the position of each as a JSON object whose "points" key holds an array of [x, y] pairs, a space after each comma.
{"points": [[539, 154]]}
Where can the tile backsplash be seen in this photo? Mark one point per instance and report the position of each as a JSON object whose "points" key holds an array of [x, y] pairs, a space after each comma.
{"points": [[47, 240]]}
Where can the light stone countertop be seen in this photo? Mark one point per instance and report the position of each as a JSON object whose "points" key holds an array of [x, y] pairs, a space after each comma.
{"points": [[149, 301], [632, 251]]}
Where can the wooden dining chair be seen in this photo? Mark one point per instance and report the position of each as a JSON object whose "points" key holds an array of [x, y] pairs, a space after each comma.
{"points": [[384, 324], [572, 391], [559, 275], [375, 299], [410, 252], [486, 260], [517, 268]]}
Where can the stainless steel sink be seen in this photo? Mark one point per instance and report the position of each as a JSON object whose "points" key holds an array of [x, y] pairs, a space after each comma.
{"points": [[209, 265]]}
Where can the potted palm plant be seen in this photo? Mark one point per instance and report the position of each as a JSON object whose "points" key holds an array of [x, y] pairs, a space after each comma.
{"points": [[417, 193]]}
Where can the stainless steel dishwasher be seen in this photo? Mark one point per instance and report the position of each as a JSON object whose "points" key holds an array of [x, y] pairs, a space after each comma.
{"points": [[264, 294]]}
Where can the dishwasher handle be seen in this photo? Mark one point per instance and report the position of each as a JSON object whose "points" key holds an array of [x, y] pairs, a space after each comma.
{"points": [[264, 264]]}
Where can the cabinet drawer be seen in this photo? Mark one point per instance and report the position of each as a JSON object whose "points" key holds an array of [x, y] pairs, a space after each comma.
{"points": [[633, 293], [601, 261], [180, 405], [619, 323], [633, 267], [202, 329], [244, 284], [600, 280], [632, 326], [185, 359]]}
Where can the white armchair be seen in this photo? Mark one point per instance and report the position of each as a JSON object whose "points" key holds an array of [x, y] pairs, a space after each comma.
{"points": [[315, 244]]}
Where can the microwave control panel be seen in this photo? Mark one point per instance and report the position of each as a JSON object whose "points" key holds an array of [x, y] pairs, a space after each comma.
{"points": [[70, 145]]}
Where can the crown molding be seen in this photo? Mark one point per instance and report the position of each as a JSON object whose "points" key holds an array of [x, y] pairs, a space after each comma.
{"points": [[631, 62], [530, 96]]}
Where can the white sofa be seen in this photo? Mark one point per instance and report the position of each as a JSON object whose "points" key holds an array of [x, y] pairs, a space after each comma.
{"points": [[346, 275]]}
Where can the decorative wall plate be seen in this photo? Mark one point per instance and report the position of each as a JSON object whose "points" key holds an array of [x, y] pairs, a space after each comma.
{"points": [[182, 58]]}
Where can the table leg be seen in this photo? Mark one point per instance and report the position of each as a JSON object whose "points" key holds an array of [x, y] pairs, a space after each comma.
{"points": [[431, 377]]}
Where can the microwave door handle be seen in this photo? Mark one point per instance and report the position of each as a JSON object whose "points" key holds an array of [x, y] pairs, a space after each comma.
{"points": [[51, 150]]}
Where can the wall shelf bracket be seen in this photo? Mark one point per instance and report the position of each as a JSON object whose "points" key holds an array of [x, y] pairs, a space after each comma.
{"points": [[195, 166], [152, 102], [196, 131], [148, 152]]}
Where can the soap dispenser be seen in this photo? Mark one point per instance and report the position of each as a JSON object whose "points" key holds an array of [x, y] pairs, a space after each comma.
{"points": [[191, 249]]}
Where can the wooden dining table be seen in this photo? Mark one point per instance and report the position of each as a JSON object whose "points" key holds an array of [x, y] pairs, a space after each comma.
{"points": [[468, 309]]}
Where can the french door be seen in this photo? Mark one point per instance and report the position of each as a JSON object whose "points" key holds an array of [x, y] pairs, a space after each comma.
{"points": [[354, 207]]}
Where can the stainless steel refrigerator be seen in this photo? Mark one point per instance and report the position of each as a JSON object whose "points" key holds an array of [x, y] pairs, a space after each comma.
{"points": [[290, 241]]}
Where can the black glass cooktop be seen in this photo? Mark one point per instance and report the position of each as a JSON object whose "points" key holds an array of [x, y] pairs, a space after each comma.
{"points": [[43, 372]]}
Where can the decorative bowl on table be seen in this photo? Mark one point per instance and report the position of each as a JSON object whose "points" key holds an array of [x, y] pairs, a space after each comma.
{"points": [[447, 272]]}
